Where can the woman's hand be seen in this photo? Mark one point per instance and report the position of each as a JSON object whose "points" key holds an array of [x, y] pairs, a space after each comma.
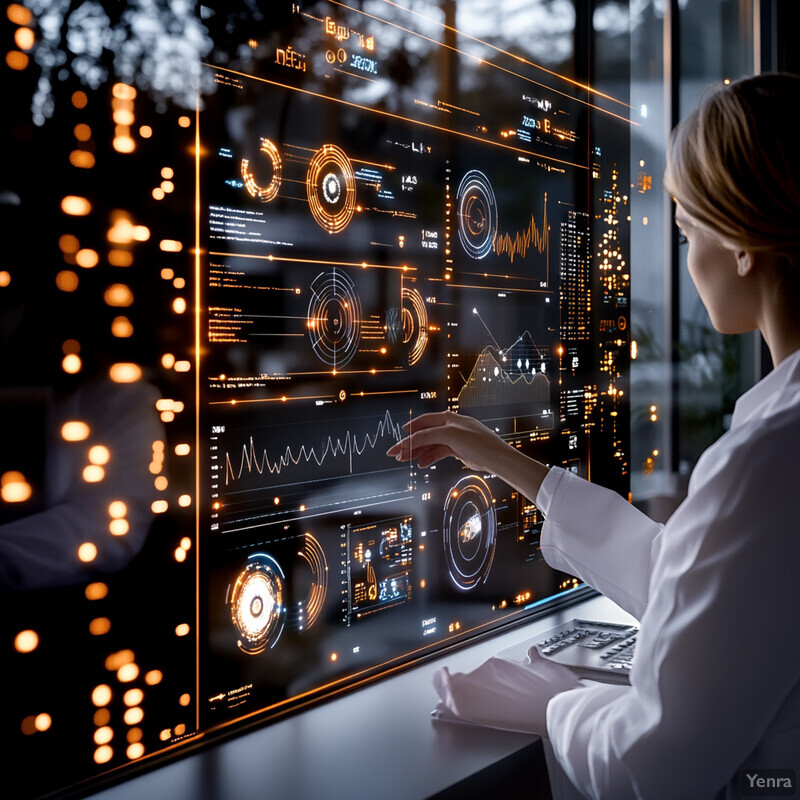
{"points": [[504, 694], [432, 437]]}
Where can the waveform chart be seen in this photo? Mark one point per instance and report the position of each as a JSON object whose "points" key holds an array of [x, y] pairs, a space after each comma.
{"points": [[334, 318], [331, 188], [477, 214], [257, 604], [469, 532], [263, 180], [534, 237], [331, 455]]}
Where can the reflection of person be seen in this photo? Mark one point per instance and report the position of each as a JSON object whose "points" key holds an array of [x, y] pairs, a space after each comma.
{"points": [[715, 688], [40, 537], [41, 550]]}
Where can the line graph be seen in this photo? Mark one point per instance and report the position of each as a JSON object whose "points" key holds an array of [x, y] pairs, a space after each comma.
{"points": [[490, 383], [506, 375], [536, 237], [349, 446]]}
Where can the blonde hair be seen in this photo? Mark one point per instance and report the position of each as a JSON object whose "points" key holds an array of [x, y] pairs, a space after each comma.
{"points": [[734, 164]]}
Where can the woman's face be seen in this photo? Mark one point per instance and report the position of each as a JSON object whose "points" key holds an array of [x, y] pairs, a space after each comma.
{"points": [[725, 293]]}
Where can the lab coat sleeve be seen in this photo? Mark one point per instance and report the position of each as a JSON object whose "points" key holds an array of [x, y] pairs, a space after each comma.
{"points": [[717, 654], [593, 533]]}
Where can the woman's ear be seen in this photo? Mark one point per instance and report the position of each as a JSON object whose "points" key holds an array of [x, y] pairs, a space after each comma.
{"points": [[744, 262]]}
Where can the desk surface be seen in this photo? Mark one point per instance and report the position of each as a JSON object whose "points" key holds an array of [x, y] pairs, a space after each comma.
{"points": [[379, 740]]}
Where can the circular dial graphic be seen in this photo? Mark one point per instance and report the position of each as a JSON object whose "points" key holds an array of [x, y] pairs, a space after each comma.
{"points": [[415, 324], [270, 191], [334, 318], [313, 554], [470, 532], [331, 188], [477, 214], [257, 604]]}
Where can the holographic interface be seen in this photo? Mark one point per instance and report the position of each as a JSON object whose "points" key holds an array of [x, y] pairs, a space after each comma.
{"points": [[244, 265], [371, 250]]}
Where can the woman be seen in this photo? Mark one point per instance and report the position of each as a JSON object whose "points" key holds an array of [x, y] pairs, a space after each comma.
{"points": [[714, 700]]}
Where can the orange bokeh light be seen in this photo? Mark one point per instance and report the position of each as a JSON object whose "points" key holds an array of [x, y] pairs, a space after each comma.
{"points": [[87, 552], [26, 641]]}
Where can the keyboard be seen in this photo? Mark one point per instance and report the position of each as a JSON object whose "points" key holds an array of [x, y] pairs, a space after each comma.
{"points": [[602, 651]]}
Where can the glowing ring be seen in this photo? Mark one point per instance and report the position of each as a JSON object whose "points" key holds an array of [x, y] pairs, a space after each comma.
{"points": [[313, 554], [331, 188], [415, 324], [257, 604], [334, 318], [477, 214], [270, 191], [470, 532]]}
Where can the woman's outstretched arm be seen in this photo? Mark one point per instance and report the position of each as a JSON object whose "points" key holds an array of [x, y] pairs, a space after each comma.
{"points": [[432, 437]]}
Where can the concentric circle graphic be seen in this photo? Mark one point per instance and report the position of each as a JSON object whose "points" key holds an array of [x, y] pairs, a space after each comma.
{"points": [[270, 191], [470, 532], [331, 188], [477, 214], [334, 318], [257, 604], [313, 554], [415, 324]]}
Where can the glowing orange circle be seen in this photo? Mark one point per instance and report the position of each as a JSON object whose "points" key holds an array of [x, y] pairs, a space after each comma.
{"points": [[322, 178], [270, 191]]}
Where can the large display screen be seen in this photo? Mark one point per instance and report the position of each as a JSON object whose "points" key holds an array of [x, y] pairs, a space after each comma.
{"points": [[375, 244], [252, 250]]}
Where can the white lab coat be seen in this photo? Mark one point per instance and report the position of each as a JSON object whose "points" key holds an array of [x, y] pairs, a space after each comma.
{"points": [[715, 688]]}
